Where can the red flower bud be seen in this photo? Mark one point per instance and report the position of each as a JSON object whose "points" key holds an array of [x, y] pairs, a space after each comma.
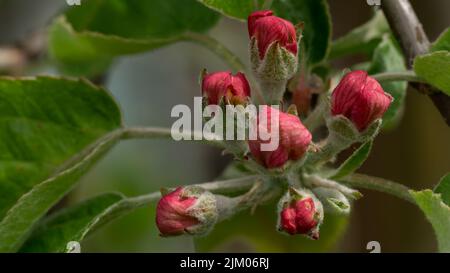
{"points": [[294, 139], [267, 29], [172, 216], [255, 16], [233, 88], [299, 218], [300, 213], [359, 98], [189, 210]]}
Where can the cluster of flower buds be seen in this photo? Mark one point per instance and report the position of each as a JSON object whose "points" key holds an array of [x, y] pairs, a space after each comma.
{"points": [[357, 105]]}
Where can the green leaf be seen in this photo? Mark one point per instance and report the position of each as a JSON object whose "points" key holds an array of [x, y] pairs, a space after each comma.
{"points": [[435, 69], [21, 218], [316, 16], [387, 57], [70, 224], [443, 42], [77, 222], [354, 162], [363, 39], [45, 122], [444, 189], [237, 9], [437, 213], [258, 233], [86, 39]]}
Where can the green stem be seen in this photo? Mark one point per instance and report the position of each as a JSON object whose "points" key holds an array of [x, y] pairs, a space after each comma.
{"points": [[224, 186], [274, 91], [318, 181], [329, 148], [218, 48], [242, 184], [156, 132], [409, 76], [136, 133], [315, 118], [229, 206], [225, 54], [128, 205], [378, 184]]}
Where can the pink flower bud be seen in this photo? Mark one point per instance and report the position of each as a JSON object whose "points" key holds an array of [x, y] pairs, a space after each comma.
{"points": [[172, 216], [189, 210], [267, 29], [294, 139], [359, 98], [300, 213], [299, 218], [235, 89]]}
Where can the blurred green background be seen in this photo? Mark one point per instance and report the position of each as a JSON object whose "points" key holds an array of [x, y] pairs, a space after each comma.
{"points": [[417, 153]]}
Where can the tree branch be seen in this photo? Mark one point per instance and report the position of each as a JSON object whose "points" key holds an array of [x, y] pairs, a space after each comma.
{"points": [[14, 59], [414, 41]]}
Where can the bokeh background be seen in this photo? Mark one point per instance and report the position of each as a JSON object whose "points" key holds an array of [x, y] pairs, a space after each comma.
{"points": [[417, 153]]}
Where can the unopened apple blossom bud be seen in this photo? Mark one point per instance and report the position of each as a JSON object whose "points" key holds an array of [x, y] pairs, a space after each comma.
{"points": [[360, 98], [232, 89], [294, 138], [268, 29], [333, 200], [300, 212], [186, 210], [273, 52]]}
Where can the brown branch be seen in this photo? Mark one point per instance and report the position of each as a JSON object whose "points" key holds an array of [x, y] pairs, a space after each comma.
{"points": [[414, 41], [12, 60]]}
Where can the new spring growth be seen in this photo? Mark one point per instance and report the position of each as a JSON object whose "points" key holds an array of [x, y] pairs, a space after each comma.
{"points": [[300, 212], [273, 53], [186, 210], [294, 139], [359, 98], [277, 140], [357, 105], [226, 87], [232, 93], [194, 211]]}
